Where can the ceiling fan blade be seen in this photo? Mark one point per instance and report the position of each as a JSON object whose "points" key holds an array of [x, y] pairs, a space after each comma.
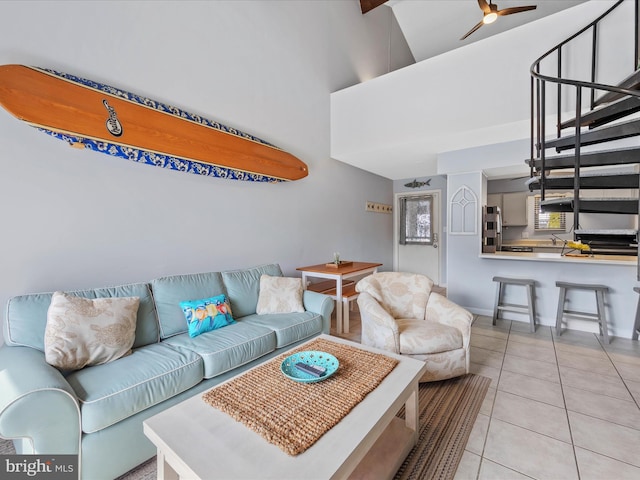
{"points": [[484, 6], [509, 11], [478, 25]]}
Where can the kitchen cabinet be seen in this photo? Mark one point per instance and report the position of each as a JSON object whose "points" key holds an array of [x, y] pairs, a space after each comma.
{"points": [[494, 199], [513, 207]]}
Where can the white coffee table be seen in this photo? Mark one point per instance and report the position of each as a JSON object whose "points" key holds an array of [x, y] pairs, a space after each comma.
{"points": [[195, 440]]}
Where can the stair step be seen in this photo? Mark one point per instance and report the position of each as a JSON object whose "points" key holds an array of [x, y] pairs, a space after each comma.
{"points": [[605, 114], [632, 82], [618, 156], [591, 205], [620, 236], [605, 181], [592, 137], [609, 241]]}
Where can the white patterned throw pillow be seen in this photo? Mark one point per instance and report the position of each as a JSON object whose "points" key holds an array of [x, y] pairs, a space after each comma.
{"points": [[279, 295], [81, 332]]}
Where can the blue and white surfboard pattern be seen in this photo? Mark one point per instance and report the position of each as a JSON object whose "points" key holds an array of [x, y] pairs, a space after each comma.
{"points": [[153, 158]]}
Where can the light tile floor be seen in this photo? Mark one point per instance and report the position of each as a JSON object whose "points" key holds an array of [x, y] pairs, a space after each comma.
{"points": [[558, 407]]}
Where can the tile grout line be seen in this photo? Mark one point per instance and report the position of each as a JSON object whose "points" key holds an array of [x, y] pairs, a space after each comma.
{"points": [[482, 457], [566, 410], [477, 476], [484, 443], [618, 372], [597, 336]]}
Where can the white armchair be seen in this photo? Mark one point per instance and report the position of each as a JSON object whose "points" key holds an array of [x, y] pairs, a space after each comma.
{"points": [[401, 314]]}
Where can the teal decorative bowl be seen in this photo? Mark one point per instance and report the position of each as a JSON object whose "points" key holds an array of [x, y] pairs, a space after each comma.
{"points": [[310, 357]]}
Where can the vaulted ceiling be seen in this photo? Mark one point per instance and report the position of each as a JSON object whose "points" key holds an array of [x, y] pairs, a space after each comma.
{"points": [[433, 27], [459, 95]]}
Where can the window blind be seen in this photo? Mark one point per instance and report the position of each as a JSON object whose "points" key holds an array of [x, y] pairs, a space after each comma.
{"points": [[548, 220]]}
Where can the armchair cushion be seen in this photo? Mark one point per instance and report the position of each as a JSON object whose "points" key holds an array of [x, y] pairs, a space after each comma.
{"points": [[403, 295], [419, 337]]}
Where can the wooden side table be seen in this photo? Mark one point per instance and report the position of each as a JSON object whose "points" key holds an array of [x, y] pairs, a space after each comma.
{"points": [[338, 274]]}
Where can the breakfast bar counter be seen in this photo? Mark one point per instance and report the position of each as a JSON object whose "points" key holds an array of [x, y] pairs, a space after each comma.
{"points": [[626, 260], [617, 272]]}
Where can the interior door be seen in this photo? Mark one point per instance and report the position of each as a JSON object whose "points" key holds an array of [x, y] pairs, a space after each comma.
{"points": [[417, 233]]}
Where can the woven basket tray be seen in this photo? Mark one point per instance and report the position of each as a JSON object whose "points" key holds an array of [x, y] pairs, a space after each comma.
{"points": [[295, 415]]}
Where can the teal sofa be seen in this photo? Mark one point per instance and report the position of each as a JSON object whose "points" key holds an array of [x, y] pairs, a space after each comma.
{"points": [[97, 412]]}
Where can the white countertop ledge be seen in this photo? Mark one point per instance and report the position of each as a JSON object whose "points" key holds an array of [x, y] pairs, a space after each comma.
{"points": [[629, 261]]}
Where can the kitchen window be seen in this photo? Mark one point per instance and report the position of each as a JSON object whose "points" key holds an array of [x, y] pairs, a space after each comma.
{"points": [[548, 221]]}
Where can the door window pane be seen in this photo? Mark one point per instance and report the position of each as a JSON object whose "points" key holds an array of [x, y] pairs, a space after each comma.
{"points": [[415, 220]]}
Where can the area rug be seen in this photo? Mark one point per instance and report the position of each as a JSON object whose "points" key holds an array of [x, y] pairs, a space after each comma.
{"points": [[281, 411], [448, 410]]}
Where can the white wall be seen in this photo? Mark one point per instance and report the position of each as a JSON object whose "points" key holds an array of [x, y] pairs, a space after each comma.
{"points": [[470, 277], [78, 219], [463, 266]]}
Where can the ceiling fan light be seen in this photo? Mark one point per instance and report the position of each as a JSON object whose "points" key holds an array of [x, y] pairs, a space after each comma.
{"points": [[489, 18]]}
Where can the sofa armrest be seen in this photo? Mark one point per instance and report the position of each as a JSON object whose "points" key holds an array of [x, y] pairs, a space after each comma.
{"points": [[37, 403], [443, 310], [319, 303], [379, 328]]}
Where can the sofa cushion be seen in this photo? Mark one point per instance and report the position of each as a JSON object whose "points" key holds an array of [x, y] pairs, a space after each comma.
{"points": [[85, 331], [114, 391], [170, 291], [289, 327], [225, 349], [423, 337], [243, 287], [26, 316]]}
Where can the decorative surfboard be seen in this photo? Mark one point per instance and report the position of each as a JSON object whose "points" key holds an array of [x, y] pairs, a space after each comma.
{"points": [[88, 114]]}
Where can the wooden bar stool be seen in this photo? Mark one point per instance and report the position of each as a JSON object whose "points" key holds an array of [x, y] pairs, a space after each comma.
{"points": [[600, 314], [349, 294], [529, 308], [636, 325]]}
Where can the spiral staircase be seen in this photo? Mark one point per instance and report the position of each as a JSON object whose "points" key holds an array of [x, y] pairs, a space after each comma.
{"points": [[584, 153]]}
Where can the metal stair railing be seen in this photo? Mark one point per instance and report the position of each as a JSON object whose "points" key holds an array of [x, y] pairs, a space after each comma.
{"points": [[538, 102]]}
